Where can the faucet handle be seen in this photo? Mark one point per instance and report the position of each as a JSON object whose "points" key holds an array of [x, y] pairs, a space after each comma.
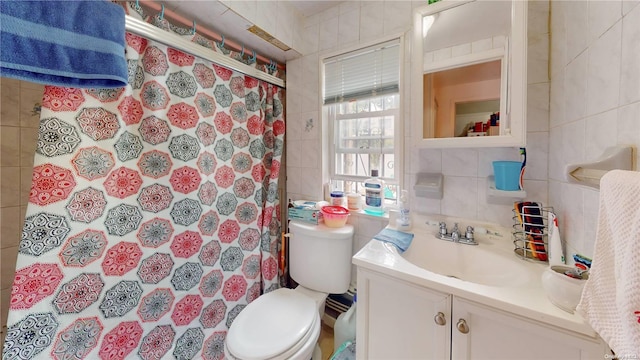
{"points": [[443, 228], [469, 234]]}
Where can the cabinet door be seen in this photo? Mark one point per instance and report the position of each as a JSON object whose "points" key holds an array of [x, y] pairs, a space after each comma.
{"points": [[493, 334], [397, 320]]}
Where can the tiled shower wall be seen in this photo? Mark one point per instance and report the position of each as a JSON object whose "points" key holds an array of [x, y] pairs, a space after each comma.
{"points": [[19, 118], [595, 101]]}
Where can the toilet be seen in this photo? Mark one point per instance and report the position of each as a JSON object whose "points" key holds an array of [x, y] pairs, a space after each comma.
{"points": [[285, 323]]}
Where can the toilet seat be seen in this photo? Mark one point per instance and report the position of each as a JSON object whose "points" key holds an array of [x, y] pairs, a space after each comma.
{"points": [[277, 325]]}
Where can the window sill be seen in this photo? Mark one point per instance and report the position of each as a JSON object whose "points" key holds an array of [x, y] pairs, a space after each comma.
{"points": [[362, 213]]}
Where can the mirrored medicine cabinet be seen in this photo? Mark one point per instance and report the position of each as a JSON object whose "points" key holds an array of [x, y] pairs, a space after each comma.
{"points": [[469, 74]]}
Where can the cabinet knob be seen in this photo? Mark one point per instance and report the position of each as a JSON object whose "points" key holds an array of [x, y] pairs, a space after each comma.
{"points": [[462, 326], [440, 319]]}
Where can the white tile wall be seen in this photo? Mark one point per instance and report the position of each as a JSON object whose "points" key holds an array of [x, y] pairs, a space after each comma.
{"points": [[595, 94], [630, 53]]}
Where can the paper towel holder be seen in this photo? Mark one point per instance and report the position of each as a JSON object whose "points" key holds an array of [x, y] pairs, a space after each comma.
{"points": [[589, 174]]}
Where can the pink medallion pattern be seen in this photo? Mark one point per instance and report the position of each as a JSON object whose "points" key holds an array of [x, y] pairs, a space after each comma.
{"points": [[186, 310], [151, 220], [123, 182], [121, 341], [183, 116], [185, 179], [121, 258], [131, 110], [50, 183], [62, 99], [186, 244], [234, 288], [33, 284]]}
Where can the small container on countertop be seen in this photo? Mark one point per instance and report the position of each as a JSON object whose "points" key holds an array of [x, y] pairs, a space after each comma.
{"points": [[337, 198], [353, 201]]}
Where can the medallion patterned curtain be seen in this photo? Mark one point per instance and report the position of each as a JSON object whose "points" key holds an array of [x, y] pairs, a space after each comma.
{"points": [[152, 218]]}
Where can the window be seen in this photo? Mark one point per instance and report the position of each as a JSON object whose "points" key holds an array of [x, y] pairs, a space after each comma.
{"points": [[362, 103]]}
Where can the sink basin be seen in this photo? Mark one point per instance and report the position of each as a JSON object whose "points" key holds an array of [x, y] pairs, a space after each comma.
{"points": [[491, 263]]}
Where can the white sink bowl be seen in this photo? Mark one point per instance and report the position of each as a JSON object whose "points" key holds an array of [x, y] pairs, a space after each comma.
{"points": [[488, 264]]}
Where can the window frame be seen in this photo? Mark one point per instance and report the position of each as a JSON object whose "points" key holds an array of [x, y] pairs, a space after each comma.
{"points": [[332, 138]]}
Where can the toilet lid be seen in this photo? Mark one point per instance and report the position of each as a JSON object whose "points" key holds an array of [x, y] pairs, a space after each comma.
{"points": [[271, 325]]}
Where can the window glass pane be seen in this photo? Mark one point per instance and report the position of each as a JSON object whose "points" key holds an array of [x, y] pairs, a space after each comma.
{"points": [[367, 134], [391, 102], [363, 106], [365, 142], [376, 104], [390, 190]]}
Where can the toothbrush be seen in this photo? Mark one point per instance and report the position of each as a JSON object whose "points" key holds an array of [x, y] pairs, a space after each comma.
{"points": [[582, 265], [523, 152]]}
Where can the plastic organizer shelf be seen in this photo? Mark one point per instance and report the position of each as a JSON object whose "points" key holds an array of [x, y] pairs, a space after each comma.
{"points": [[534, 224]]}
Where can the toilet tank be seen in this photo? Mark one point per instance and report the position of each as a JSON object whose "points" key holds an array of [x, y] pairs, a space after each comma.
{"points": [[320, 256]]}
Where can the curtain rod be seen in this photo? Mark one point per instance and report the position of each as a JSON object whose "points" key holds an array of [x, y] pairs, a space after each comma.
{"points": [[211, 34], [151, 32]]}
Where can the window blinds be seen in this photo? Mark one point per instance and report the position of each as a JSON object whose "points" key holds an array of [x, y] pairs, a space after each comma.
{"points": [[364, 73]]}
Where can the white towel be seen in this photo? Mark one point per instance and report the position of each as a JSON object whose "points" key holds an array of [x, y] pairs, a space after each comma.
{"points": [[610, 301]]}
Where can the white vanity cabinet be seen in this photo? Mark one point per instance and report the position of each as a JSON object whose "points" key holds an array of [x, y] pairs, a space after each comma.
{"points": [[395, 320], [400, 320], [483, 332]]}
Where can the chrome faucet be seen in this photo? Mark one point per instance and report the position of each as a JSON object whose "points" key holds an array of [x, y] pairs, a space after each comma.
{"points": [[455, 233], [455, 236]]}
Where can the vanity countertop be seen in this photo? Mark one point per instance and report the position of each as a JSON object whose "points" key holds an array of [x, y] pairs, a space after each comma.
{"points": [[526, 298]]}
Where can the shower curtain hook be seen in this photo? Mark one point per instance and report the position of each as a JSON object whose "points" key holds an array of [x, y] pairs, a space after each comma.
{"points": [[222, 42], [137, 3], [242, 53], [194, 27], [253, 58], [162, 13]]}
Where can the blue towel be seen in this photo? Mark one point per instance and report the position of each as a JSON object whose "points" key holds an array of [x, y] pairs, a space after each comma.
{"points": [[400, 239], [65, 43]]}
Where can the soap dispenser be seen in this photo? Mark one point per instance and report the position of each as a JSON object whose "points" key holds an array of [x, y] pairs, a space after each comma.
{"points": [[403, 222]]}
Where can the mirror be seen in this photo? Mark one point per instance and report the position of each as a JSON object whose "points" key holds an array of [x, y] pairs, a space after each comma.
{"points": [[470, 56]]}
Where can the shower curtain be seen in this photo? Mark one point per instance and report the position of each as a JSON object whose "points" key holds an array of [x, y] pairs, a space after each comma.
{"points": [[152, 218]]}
